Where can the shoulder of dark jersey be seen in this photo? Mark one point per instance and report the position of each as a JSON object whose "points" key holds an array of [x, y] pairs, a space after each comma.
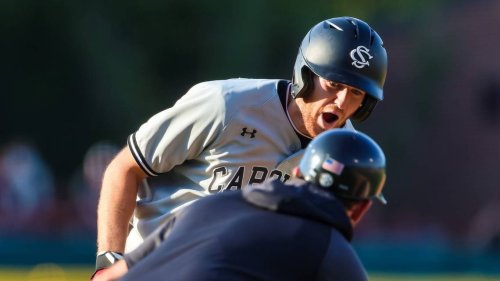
{"points": [[301, 199]]}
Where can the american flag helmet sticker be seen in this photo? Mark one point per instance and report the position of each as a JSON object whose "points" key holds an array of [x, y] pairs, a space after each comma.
{"points": [[333, 166]]}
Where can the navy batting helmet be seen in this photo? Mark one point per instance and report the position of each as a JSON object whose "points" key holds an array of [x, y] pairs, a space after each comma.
{"points": [[347, 163], [345, 50]]}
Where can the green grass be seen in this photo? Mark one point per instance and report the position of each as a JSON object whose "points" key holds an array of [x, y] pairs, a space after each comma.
{"points": [[54, 272], [46, 272]]}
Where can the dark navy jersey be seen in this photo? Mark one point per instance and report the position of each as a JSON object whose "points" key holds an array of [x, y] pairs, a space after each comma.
{"points": [[273, 231]]}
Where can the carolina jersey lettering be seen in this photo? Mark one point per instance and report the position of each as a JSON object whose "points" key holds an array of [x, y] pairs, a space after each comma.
{"points": [[258, 175]]}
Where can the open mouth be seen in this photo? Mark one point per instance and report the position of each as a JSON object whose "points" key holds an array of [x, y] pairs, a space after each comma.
{"points": [[329, 117]]}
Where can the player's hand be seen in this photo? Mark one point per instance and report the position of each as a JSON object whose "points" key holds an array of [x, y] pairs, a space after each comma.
{"points": [[112, 273]]}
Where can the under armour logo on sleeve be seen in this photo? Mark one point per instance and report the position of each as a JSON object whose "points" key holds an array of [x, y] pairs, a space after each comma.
{"points": [[252, 133]]}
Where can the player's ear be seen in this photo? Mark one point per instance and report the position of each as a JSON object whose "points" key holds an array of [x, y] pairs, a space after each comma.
{"points": [[358, 210], [296, 172]]}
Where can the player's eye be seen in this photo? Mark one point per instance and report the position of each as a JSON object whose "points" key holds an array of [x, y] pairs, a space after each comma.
{"points": [[357, 92], [336, 85]]}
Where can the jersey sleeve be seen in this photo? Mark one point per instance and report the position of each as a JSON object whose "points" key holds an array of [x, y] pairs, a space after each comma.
{"points": [[181, 132]]}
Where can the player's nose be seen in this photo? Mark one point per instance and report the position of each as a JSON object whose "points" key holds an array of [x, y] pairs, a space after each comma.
{"points": [[341, 98]]}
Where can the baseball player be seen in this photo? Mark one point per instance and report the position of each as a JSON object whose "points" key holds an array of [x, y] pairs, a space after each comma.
{"points": [[298, 230], [223, 135]]}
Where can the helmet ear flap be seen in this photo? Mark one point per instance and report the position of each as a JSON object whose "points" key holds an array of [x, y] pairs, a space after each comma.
{"points": [[365, 110], [307, 77], [307, 82]]}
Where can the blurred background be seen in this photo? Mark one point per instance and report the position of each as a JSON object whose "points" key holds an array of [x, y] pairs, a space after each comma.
{"points": [[77, 77]]}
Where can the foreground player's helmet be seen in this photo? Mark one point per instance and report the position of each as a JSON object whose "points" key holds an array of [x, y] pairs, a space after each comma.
{"points": [[345, 50], [347, 163]]}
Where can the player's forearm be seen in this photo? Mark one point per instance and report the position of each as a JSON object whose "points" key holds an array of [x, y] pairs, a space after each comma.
{"points": [[116, 206]]}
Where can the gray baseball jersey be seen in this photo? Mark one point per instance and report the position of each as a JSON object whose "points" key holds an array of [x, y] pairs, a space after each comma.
{"points": [[221, 135]]}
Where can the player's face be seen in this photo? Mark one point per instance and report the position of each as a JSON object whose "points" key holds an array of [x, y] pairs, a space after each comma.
{"points": [[328, 105]]}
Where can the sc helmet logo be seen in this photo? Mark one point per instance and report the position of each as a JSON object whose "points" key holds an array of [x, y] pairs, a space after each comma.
{"points": [[360, 56]]}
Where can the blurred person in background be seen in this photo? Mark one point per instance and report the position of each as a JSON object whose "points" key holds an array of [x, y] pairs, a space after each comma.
{"points": [[85, 185], [27, 189], [484, 229]]}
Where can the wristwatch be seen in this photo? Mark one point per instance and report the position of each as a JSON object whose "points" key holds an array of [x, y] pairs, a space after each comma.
{"points": [[105, 259]]}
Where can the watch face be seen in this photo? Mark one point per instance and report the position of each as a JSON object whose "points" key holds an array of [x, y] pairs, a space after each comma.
{"points": [[106, 259], [113, 257]]}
